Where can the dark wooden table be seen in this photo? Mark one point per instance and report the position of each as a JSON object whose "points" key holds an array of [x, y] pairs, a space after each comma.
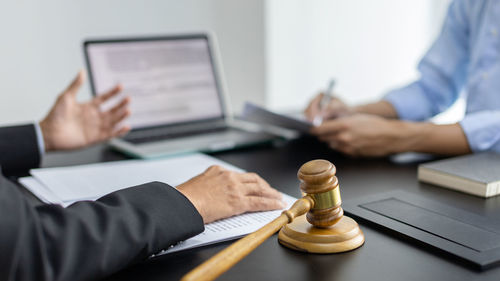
{"points": [[382, 257]]}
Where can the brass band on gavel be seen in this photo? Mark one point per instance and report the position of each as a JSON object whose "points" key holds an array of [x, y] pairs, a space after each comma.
{"points": [[326, 199], [318, 180]]}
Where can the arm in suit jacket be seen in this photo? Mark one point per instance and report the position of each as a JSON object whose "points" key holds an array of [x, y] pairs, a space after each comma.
{"points": [[18, 149], [88, 240]]}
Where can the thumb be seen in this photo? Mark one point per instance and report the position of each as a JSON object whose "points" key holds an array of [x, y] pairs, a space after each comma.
{"points": [[75, 85]]}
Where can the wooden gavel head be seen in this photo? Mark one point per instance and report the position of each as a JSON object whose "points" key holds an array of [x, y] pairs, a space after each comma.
{"points": [[318, 180], [324, 228]]}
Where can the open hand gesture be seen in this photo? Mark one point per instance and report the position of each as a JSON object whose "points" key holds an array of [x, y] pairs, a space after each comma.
{"points": [[72, 125]]}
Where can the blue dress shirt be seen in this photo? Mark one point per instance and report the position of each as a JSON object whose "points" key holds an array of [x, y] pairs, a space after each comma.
{"points": [[465, 57]]}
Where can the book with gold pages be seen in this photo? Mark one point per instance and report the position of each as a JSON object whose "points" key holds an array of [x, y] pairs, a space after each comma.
{"points": [[476, 174]]}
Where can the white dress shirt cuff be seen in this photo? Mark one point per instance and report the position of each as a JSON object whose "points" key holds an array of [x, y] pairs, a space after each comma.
{"points": [[39, 139]]}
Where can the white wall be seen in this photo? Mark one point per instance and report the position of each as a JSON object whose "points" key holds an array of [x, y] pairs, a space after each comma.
{"points": [[40, 51], [275, 52], [369, 47]]}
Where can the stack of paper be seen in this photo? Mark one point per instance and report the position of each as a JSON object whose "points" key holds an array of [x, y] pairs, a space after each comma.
{"points": [[67, 185], [88, 182]]}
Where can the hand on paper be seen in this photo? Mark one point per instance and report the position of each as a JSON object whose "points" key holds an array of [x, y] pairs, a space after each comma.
{"points": [[218, 193], [71, 125]]}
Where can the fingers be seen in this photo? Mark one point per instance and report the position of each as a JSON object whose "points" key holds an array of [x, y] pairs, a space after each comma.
{"points": [[256, 186], [328, 138], [119, 112], [255, 189], [343, 142], [116, 114], [336, 108], [255, 204], [113, 117], [251, 178], [121, 132], [334, 139], [75, 85], [313, 109], [113, 133], [108, 95], [344, 148], [250, 184], [330, 127], [337, 135], [119, 117], [214, 170]]}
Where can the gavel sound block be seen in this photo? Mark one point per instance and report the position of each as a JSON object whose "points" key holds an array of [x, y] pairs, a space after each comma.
{"points": [[324, 229]]}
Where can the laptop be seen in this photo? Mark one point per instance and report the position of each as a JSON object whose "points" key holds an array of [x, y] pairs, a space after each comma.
{"points": [[177, 100]]}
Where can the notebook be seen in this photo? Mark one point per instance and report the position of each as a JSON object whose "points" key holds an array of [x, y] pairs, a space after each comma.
{"points": [[476, 174], [262, 116]]}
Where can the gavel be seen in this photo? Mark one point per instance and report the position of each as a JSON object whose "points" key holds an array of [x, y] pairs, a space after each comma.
{"points": [[323, 229]]}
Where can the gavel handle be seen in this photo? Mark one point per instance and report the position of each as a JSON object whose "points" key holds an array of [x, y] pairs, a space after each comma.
{"points": [[225, 259]]}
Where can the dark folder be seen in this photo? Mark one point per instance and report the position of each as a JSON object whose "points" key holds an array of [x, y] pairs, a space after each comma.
{"points": [[468, 236]]}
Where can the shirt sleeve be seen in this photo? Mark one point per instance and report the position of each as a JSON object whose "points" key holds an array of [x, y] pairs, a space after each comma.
{"points": [[39, 139], [482, 130], [442, 71]]}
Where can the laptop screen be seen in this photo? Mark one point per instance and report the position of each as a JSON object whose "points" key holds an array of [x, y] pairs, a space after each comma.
{"points": [[169, 80]]}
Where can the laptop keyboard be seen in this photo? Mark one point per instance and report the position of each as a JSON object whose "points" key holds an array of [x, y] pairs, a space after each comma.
{"points": [[164, 133]]}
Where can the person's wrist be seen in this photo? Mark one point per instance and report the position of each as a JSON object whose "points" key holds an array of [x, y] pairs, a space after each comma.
{"points": [[426, 137], [412, 135], [198, 205], [350, 110], [357, 109], [380, 108]]}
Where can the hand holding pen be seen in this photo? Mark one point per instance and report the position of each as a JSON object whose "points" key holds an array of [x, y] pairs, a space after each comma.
{"points": [[323, 103], [326, 106]]}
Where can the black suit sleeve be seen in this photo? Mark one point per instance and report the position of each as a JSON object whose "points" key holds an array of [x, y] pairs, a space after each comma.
{"points": [[90, 240], [18, 149]]}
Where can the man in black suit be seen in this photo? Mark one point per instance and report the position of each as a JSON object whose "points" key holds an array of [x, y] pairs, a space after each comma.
{"points": [[90, 240]]}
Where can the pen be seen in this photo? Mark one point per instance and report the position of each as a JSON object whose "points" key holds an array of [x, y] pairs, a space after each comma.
{"points": [[325, 100]]}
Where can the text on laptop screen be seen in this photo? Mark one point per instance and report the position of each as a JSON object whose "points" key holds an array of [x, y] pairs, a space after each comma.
{"points": [[169, 81]]}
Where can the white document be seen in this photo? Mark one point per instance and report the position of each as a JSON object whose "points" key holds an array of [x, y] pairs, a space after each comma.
{"points": [[41, 191], [89, 182], [231, 228], [67, 185], [257, 114]]}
